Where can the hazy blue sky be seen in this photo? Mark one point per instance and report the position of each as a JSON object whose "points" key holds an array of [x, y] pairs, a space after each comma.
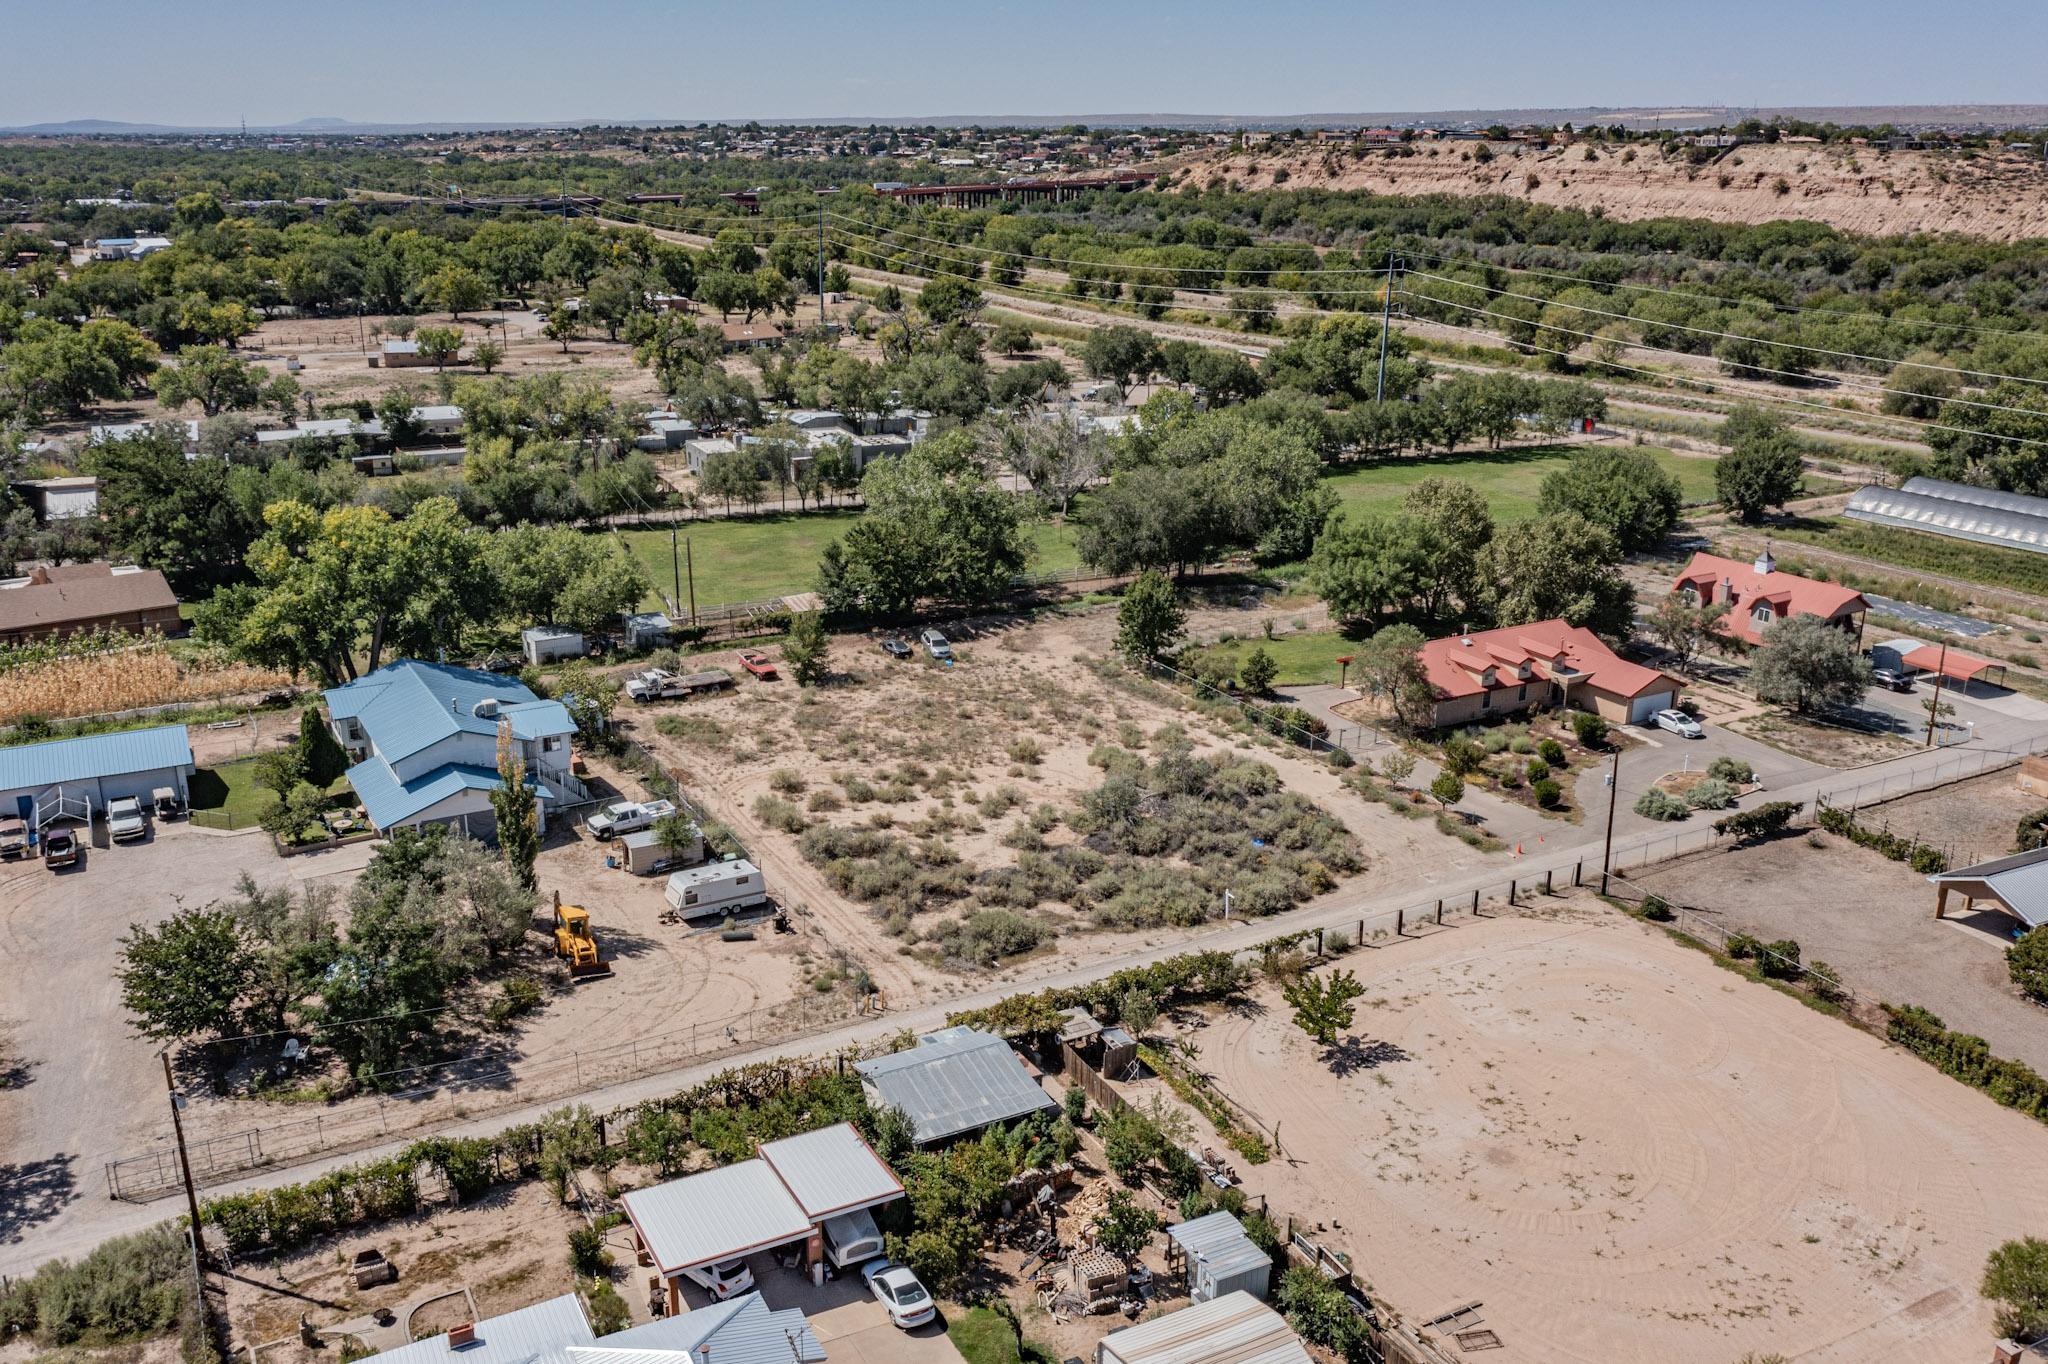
{"points": [[467, 60]]}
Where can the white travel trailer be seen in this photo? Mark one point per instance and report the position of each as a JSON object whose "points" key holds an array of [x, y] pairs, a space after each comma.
{"points": [[718, 888]]}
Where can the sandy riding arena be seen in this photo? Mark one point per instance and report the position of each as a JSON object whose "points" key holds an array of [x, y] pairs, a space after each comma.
{"points": [[1622, 1151]]}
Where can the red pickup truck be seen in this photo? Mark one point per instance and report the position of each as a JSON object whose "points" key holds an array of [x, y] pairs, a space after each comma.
{"points": [[758, 663]]}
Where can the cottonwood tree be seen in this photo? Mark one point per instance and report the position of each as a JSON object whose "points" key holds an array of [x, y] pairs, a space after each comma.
{"points": [[1624, 492], [1362, 567], [1389, 664], [1123, 356], [936, 528], [185, 976], [1556, 566], [1762, 468], [1686, 628], [1056, 455], [1804, 663], [1459, 526], [216, 379]]}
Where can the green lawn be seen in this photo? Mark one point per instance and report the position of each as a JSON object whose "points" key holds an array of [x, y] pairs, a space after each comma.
{"points": [[1305, 656], [754, 558], [1510, 479], [227, 796], [983, 1336]]}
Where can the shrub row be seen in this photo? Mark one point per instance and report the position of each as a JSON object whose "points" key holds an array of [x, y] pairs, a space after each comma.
{"points": [[1920, 856], [1761, 822], [1190, 978], [2013, 1083]]}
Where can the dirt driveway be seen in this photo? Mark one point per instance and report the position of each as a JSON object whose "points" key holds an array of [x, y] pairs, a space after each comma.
{"points": [[85, 1086], [1622, 1151]]}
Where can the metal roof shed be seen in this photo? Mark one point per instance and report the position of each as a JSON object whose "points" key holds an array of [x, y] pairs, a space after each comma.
{"points": [[718, 1215], [955, 1081], [1221, 1259], [98, 767], [545, 1330], [2017, 884], [832, 1171], [1236, 1329]]}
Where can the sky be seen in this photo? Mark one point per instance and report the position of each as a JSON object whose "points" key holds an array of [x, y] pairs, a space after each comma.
{"points": [[220, 61]]}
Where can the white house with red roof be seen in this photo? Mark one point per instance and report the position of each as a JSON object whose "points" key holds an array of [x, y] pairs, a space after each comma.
{"points": [[1759, 596], [1549, 663]]}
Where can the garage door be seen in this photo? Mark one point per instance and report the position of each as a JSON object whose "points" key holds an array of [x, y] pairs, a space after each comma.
{"points": [[1646, 706]]}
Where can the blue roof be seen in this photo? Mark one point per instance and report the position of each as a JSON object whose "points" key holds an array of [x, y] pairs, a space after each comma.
{"points": [[744, 1330], [411, 704], [94, 755], [545, 1331], [390, 802]]}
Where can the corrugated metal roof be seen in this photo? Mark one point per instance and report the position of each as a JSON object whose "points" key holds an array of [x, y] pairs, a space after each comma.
{"points": [[1218, 1241], [2019, 882], [1234, 1329], [831, 1171], [95, 755], [704, 1218], [1957, 510], [389, 802], [411, 704], [544, 1330], [956, 1080], [742, 1331]]}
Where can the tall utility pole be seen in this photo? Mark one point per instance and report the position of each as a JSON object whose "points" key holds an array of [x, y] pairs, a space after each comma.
{"points": [[1386, 317], [1934, 706], [1613, 790], [821, 262], [690, 566], [184, 1160]]}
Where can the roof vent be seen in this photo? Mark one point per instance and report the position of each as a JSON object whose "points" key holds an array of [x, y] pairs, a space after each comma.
{"points": [[459, 1336], [1764, 562], [486, 709], [454, 706], [1466, 641]]}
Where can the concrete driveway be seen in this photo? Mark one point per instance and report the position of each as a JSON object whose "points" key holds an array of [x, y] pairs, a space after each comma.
{"points": [[1659, 751], [849, 1323]]}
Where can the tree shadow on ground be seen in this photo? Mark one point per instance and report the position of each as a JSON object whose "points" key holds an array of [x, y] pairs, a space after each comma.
{"points": [[32, 1193], [1350, 1055]]}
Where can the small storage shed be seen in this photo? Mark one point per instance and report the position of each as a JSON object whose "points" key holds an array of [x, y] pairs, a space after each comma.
{"points": [[1234, 1329], [94, 769], [1218, 1258], [646, 857], [647, 630], [549, 643], [954, 1082]]}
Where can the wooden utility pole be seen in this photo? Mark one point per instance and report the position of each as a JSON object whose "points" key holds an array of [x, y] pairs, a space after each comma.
{"points": [[1934, 706], [1613, 791], [675, 565], [184, 1160], [690, 564]]}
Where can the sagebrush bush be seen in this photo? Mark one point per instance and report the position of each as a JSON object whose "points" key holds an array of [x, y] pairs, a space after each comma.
{"points": [[1656, 804], [787, 780], [126, 1289], [1732, 770], [778, 813], [1711, 794]]}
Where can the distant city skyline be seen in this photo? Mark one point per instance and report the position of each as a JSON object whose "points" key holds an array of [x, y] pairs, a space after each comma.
{"points": [[522, 62]]}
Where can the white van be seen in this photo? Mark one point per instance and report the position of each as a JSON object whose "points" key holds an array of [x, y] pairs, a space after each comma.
{"points": [[851, 1238], [719, 888]]}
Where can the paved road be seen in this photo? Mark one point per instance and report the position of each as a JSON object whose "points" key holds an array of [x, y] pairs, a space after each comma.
{"points": [[2006, 720]]}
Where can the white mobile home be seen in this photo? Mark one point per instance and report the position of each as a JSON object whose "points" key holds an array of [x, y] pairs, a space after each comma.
{"points": [[717, 889]]}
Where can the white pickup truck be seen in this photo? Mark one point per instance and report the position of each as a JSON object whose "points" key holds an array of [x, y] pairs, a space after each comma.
{"points": [[659, 684], [124, 819], [627, 816]]}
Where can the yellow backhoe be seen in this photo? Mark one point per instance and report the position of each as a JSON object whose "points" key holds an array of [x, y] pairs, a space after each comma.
{"points": [[574, 942]]}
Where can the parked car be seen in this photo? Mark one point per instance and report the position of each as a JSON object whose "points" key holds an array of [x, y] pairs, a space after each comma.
{"points": [[124, 819], [1679, 723], [1891, 679], [727, 1278], [758, 663], [626, 816], [13, 838], [898, 1290], [896, 646], [60, 847], [936, 644]]}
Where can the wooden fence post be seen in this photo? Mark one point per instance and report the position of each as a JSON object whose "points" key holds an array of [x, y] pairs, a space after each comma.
{"points": [[1439, 910], [1400, 921], [1511, 890]]}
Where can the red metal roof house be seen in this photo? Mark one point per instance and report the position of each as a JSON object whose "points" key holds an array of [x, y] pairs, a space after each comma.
{"points": [[1758, 596], [1518, 667]]}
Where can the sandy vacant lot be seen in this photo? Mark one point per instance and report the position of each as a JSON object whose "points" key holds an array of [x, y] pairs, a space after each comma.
{"points": [[1021, 712], [1623, 1151]]}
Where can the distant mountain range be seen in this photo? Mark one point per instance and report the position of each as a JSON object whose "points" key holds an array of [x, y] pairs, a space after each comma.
{"points": [[1909, 116]]}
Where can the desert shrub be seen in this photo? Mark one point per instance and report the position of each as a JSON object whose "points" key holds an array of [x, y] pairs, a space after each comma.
{"points": [[1656, 804], [822, 801], [1732, 770], [1823, 982], [2012, 1083], [987, 936], [1711, 794], [1742, 946], [1320, 1312], [1114, 760], [1074, 1104], [1340, 758], [1923, 858], [1511, 780], [2027, 962], [1780, 960], [1462, 756], [1027, 751], [1654, 907], [1552, 752], [1588, 728], [778, 813], [518, 995], [787, 780], [127, 1288], [1547, 792], [608, 1313], [1521, 744], [858, 789], [1536, 769]]}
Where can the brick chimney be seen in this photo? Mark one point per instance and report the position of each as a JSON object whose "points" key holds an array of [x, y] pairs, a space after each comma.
{"points": [[459, 1336]]}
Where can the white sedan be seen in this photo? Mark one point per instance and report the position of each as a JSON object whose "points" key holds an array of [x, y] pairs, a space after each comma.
{"points": [[1679, 723], [898, 1290]]}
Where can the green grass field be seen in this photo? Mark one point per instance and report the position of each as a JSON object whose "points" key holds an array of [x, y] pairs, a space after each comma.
{"points": [[227, 796], [754, 558], [1304, 657], [1510, 479]]}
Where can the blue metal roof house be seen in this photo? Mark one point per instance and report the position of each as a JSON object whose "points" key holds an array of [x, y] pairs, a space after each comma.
{"points": [[424, 741], [94, 769]]}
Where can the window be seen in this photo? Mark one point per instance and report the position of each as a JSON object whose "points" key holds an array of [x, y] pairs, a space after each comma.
{"points": [[1522, 692], [550, 745], [1763, 615], [1486, 700], [689, 897]]}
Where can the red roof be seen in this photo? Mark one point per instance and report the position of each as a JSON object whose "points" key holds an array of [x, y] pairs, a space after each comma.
{"points": [[1960, 666], [1788, 594], [1466, 665]]}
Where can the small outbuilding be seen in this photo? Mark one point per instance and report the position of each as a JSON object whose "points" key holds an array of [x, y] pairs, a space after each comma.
{"points": [[93, 770], [2015, 885], [646, 857], [955, 1082], [647, 630], [1234, 1329], [1219, 1259], [549, 644]]}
